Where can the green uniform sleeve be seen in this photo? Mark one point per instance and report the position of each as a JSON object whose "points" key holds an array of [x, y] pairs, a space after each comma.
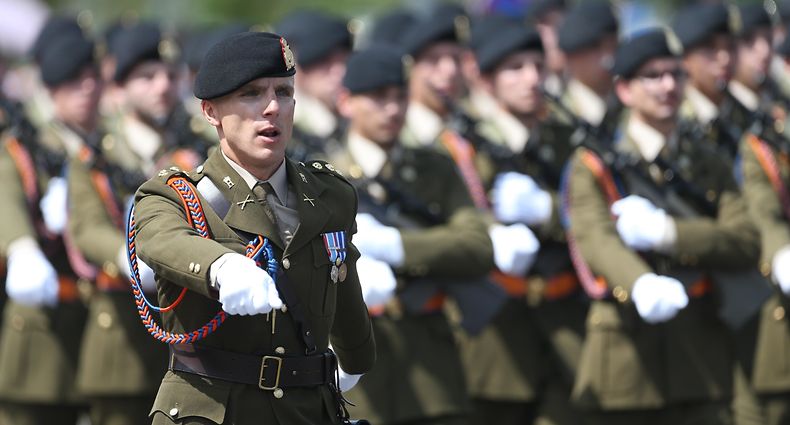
{"points": [[16, 221]]}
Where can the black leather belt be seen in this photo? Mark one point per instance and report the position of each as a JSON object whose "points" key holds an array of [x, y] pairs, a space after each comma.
{"points": [[266, 372]]}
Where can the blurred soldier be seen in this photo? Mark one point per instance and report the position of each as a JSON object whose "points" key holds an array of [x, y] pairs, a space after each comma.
{"points": [[389, 27], [547, 17], [44, 319], [121, 365], [588, 38], [709, 55], [269, 361], [417, 227], [531, 350], [321, 44], [656, 351]]}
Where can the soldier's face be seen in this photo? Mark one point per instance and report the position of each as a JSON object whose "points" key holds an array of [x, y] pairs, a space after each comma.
{"points": [[517, 81], [76, 102], [254, 123], [754, 57], [324, 80], [151, 90], [377, 115], [655, 92], [710, 65], [436, 76]]}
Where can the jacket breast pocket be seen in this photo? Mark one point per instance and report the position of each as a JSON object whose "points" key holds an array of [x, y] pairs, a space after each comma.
{"points": [[190, 399], [323, 291]]}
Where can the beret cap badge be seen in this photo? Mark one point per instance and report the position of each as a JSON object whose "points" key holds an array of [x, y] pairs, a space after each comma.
{"points": [[288, 55]]}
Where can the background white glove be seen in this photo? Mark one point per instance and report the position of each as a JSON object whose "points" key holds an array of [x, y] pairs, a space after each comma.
{"points": [[147, 281], [244, 288], [31, 279], [378, 241], [376, 279], [780, 266], [518, 199], [515, 248], [658, 298], [345, 380], [642, 226], [54, 205]]}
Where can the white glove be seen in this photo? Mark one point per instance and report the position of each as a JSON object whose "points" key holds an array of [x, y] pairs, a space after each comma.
{"points": [[244, 288], [642, 226], [345, 380], [378, 241], [54, 205], [147, 281], [515, 248], [658, 298], [376, 279], [31, 279], [781, 269], [518, 199]]}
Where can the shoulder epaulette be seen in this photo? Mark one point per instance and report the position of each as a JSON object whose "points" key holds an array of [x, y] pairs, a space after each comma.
{"points": [[167, 173], [318, 166]]}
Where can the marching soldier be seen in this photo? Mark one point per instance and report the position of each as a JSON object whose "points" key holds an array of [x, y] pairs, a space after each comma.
{"points": [[532, 347], [265, 358], [321, 44], [44, 319], [417, 221], [656, 351]]}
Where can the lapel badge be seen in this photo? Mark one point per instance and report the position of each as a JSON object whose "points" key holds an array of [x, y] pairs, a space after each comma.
{"points": [[246, 201], [308, 199], [304, 179], [228, 182]]}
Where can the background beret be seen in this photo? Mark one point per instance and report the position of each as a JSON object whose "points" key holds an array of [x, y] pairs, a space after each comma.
{"points": [[696, 24], [538, 8], [446, 23], [585, 25], [784, 48], [54, 28], [503, 42], [241, 58], [389, 28], [639, 49], [373, 68], [134, 45], [753, 16], [314, 35], [199, 44], [62, 59]]}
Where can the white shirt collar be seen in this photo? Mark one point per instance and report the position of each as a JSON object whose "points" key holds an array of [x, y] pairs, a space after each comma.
{"points": [[589, 106], [425, 124], [745, 95], [278, 180], [705, 110], [314, 116], [142, 139], [514, 132], [367, 154], [647, 139]]}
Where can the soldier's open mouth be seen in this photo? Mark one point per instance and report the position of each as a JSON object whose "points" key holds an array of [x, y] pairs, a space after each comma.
{"points": [[269, 133]]}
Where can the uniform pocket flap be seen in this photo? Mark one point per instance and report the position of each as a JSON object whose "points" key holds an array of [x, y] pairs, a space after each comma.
{"points": [[183, 395]]}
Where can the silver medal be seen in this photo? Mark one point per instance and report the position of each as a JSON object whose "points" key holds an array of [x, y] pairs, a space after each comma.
{"points": [[334, 273]]}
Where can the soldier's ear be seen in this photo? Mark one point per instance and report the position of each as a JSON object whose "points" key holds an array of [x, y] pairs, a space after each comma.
{"points": [[344, 103], [210, 112], [622, 89]]}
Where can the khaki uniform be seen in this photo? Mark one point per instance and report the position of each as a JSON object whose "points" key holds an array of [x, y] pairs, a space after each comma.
{"points": [[603, 114], [181, 258], [39, 347], [419, 378], [533, 346], [635, 372]]}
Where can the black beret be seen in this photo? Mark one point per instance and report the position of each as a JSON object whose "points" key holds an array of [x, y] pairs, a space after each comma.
{"points": [[55, 28], [538, 8], [134, 45], [389, 28], [753, 16], [373, 68], [696, 24], [783, 10], [314, 35], [484, 27], [197, 46], [585, 25], [505, 41], [447, 23], [640, 49], [784, 48], [241, 58], [64, 58]]}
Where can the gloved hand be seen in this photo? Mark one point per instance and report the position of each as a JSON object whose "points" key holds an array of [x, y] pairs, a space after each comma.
{"points": [[518, 199], [54, 205], [31, 279], [515, 248], [780, 266], [147, 281], [345, 380], [378, 241], [376, 279], [244, 288], [642, 226], [658, 298]]}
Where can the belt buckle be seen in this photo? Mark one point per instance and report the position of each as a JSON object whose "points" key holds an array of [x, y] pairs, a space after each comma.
{"points": [[279, 361]]}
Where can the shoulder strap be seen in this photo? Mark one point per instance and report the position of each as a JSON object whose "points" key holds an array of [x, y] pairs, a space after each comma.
{"points": [[213, 196]]}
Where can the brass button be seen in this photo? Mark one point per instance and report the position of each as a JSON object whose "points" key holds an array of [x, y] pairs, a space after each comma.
{"points": [[108, 142], [779, 313], [284, 308], [279, 350], [191, 267], [111, 269], [620, 294], [105, 320], [278, 393], [18, 322], [199, 169], [174, 412], [765, 269], [286, 263], [595, 319], [197, 268], [355, 171]]}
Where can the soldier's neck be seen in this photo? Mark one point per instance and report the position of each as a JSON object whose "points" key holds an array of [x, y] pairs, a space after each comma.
{"points": [[666, 127]]}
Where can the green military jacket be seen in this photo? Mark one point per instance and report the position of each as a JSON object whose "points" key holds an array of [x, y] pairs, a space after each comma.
{"points": [[39, 346], [630, 364], [182, 259], [419, 373]]}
